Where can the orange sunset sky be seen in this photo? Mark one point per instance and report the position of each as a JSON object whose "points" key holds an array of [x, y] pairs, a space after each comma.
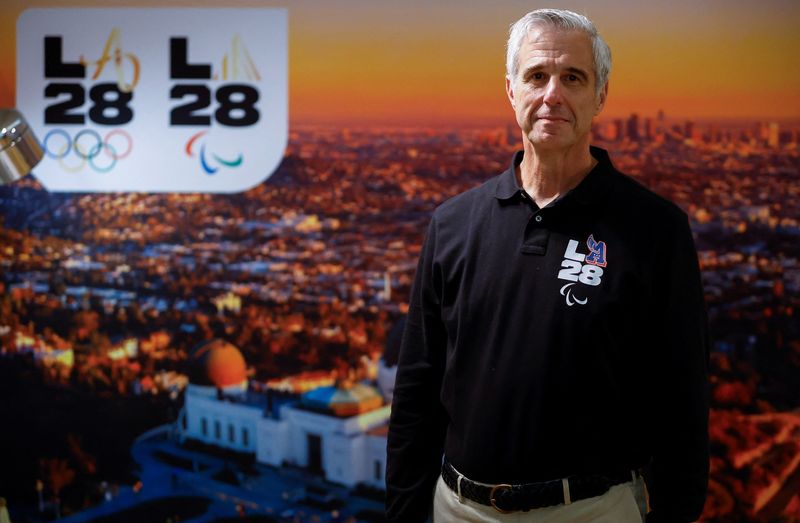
{"points": [[442, 63]]}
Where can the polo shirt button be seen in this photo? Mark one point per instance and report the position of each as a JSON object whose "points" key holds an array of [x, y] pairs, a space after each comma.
{"points": [[538, 218]]}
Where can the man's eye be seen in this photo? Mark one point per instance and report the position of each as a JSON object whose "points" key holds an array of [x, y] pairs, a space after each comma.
{"points": [[572, 78], [537, 76]]}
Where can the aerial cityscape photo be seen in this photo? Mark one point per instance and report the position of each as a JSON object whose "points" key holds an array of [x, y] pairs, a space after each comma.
{"points": [[206, 357], [152, 344]]}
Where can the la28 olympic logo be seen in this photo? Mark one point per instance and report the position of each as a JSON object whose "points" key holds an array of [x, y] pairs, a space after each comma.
{"points": [[110, 106]]}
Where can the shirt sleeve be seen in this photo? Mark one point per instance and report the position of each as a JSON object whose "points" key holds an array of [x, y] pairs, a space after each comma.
{"points": [[418, 422], [679, 470]]}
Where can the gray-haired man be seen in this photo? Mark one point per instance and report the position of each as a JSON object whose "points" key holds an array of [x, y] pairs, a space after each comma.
{"points": [[556, 336]]}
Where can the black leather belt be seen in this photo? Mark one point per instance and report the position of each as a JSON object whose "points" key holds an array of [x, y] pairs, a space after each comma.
{"points": [[523, 497]]}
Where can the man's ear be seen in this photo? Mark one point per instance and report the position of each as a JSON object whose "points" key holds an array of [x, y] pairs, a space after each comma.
{"points": [[601, 99], [510, 92]]}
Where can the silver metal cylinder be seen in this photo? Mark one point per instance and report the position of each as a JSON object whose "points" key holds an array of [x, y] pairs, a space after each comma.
{"points": [[19, 149]]}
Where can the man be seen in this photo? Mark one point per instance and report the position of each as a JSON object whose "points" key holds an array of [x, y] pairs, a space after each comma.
{"points": [[556, 335]]}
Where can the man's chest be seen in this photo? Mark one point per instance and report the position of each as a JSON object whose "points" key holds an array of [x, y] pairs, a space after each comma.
{"points": [[544, 263]]}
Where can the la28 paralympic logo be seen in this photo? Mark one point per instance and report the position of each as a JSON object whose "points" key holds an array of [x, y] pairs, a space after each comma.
{"points": [[235, 102], [577, 267], [112, 102]]}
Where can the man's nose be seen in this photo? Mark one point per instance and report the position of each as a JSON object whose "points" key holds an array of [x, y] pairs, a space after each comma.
{"points": [[553, 94]]}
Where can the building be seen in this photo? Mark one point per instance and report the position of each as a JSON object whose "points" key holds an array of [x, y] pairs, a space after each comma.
{"points": [[632, 127], [337, 430]]}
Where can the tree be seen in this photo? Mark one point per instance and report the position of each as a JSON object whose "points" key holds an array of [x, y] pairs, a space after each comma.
{"points": [[58, 474]]}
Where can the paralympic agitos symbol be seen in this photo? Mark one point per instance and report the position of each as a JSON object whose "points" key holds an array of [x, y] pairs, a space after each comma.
{"points": [[208, 168]]}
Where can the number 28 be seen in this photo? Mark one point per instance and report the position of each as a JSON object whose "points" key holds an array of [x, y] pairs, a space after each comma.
{"points": [[575, 271], [236, 105]]}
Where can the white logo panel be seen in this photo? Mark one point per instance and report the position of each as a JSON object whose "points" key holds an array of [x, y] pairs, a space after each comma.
{"points": [[155, 100]]}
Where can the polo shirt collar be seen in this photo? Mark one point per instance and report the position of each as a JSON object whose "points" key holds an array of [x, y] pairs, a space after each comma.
{"points": [[507, 186], [591, 189]]}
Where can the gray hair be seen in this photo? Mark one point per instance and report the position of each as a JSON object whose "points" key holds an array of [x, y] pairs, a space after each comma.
{"points": [[564, 20]]}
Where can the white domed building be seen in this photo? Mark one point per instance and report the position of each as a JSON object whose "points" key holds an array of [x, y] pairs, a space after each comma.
{"points": [[337, 430]]}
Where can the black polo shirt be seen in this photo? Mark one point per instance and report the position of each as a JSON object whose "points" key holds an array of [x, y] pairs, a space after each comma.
{"points": [[542, 343]]}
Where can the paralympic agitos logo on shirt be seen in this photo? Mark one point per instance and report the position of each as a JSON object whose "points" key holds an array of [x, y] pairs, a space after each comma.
{"points": [[582, 268]]}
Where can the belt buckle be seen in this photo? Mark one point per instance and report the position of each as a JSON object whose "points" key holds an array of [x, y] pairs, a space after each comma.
{"points": [[493, 501]]}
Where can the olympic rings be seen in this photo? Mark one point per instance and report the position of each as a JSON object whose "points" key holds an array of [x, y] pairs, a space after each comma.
{"points": [[87, 145], [46, 141], [120, 132], [72, 168], [113, 156], [94, 151]]}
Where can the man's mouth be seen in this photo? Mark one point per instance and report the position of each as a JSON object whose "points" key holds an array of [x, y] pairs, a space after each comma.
{"points": [[552, 118]]}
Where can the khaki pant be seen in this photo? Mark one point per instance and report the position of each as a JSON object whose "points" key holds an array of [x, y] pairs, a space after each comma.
{"points": [[623, 503]]}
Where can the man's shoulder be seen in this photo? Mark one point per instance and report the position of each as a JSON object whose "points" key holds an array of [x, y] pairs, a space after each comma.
{"points": [[632, 197], [467, 203]]}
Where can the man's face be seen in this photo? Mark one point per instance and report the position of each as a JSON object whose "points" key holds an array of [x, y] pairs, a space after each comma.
{"points": [[553, 93]]}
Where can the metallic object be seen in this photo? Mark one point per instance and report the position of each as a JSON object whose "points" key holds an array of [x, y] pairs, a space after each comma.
{"points": [[19, 149]]}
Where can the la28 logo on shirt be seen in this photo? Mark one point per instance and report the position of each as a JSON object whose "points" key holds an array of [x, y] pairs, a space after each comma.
{"points": [[577, 267]]}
